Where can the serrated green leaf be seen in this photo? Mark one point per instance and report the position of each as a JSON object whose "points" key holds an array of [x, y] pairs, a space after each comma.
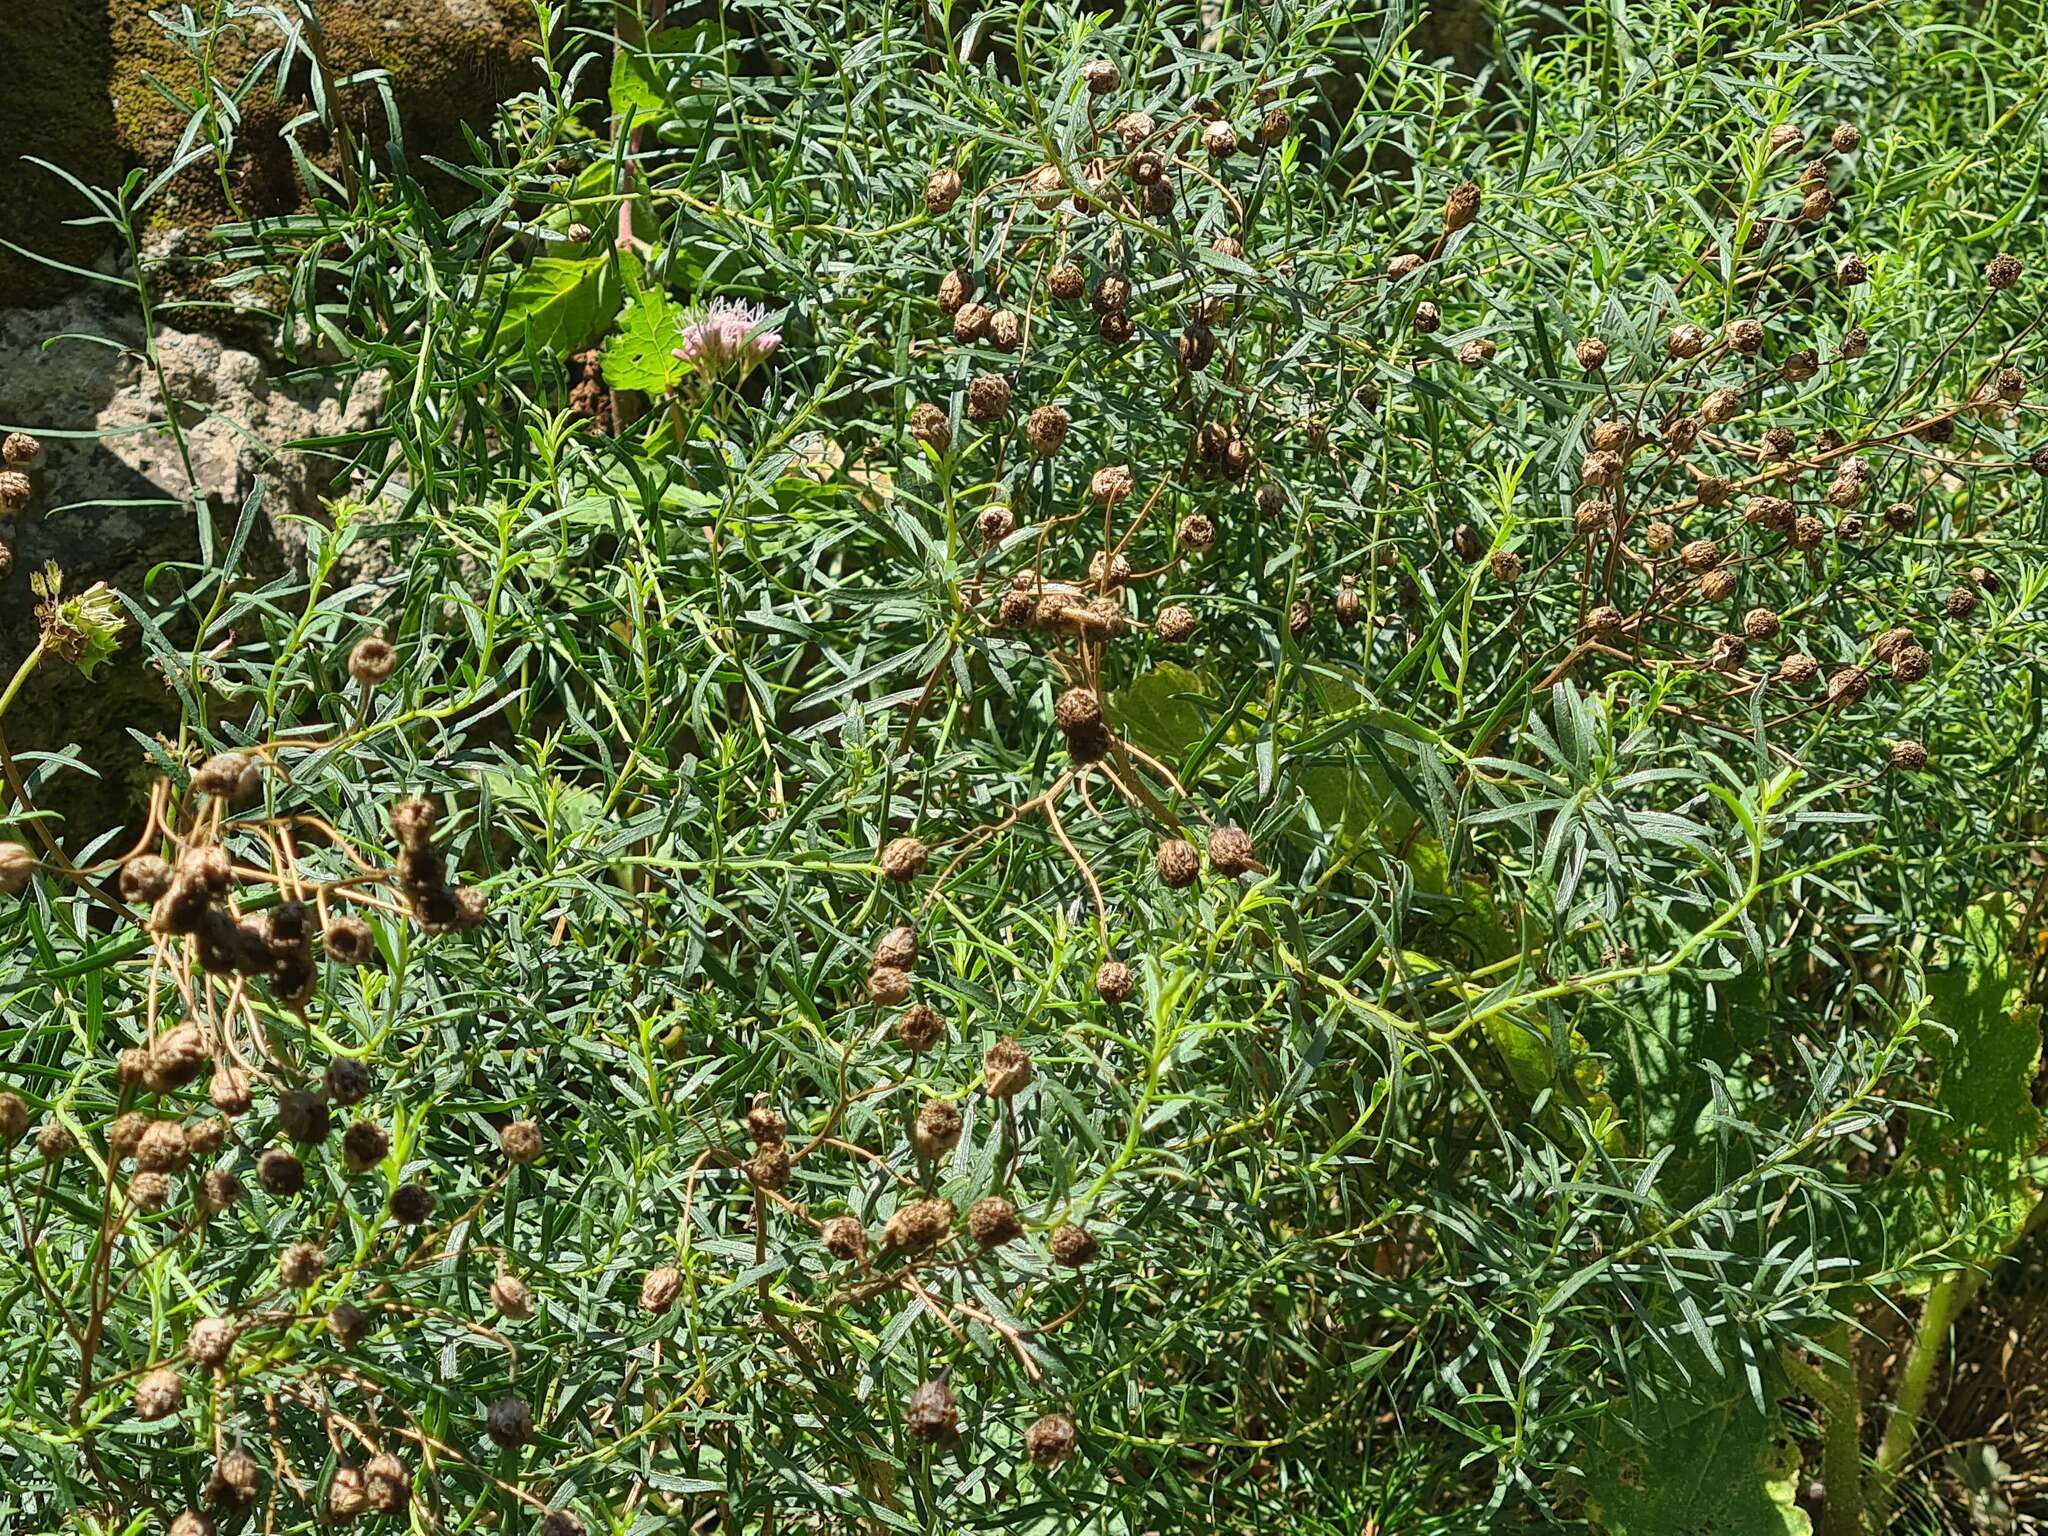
{"points": [[558, 303], [1690, 1468], [641, 353], [1965, 1167]]}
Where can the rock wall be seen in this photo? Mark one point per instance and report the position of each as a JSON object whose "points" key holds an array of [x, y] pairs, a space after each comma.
{"points": [[87, 84], [110, 505]]}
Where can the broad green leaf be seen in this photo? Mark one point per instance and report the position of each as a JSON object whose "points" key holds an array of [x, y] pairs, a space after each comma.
{"points": [[1695, 1469], [1965, 1167], [641, 353], [559, 303]]}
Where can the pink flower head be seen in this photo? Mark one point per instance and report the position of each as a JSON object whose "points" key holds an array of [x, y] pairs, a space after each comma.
{"points": [[726, 332]]}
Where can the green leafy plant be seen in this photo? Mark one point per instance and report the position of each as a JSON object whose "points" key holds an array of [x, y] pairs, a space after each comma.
{"points": [[1140, 768]]}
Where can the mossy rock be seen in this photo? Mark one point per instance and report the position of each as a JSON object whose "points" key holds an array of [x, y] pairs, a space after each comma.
{"points": [[102, 95], [56, 107]]}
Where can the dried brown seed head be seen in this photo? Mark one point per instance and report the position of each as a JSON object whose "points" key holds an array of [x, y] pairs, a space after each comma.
{"points": [[209, 1342], [1134, 128], [929, 426], [1605, 620], [941, 190], [53, 1141], [219, 1190], [348, 1494], [280, 1173], [887, 986], [763, 1124], [1850, 271], [17, 490], [1592, 354], [372, 660], [1066, 282], [1798, 669], [301, 1264], [348, 1080], [1197, 533], [1006, 1069], [1759, 625], [19, 448], [971, 322], [1911, 664], [364, 1145], [1428, 319], [995, 524], [1718, 586], [1175, 623], [845, 1238], [1051, 1440], [1077, 709], [303, 1116], [1404, 265], [1960, 603], [177, 1058], [388, 1483], [919, 1028], [511, 1298], [2001, 271], [144, 878], [1110, 484], [916, 1225], [412, 1205], [1908, 756], [769, 1167], [1848, 686], [988, 397], [1231, 852], [1046, 428], [1700, 555], [158, 1395], [1100, 76], [937, 1128], [1111, 294], [932, 1416], [1073, 1246], [347, 1325], [161, 1148], [660, 1288], [348, 940], [897, 948], [904, 859], [955, 288], [1114, 982], [236, 1481], [1462, 206], [1505, 566], [1178, 863], [509, 1423], [1601, 468], [992, 1221], [1219, 139], [1685, 340]]}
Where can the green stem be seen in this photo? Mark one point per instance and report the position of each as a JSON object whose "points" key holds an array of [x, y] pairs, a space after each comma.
{"points": [[1930, 1343], [21, 673], [1841, 1455]]}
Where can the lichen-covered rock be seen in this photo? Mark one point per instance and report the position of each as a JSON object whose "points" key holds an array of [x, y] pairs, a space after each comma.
{"points": [[111, 503], [91, 97]]}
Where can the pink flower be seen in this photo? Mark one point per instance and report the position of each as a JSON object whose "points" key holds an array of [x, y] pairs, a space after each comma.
{"points": [[726, 332]]}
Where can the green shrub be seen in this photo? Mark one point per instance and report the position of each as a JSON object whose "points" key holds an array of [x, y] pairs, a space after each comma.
{"points": [[1445, 669]]}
